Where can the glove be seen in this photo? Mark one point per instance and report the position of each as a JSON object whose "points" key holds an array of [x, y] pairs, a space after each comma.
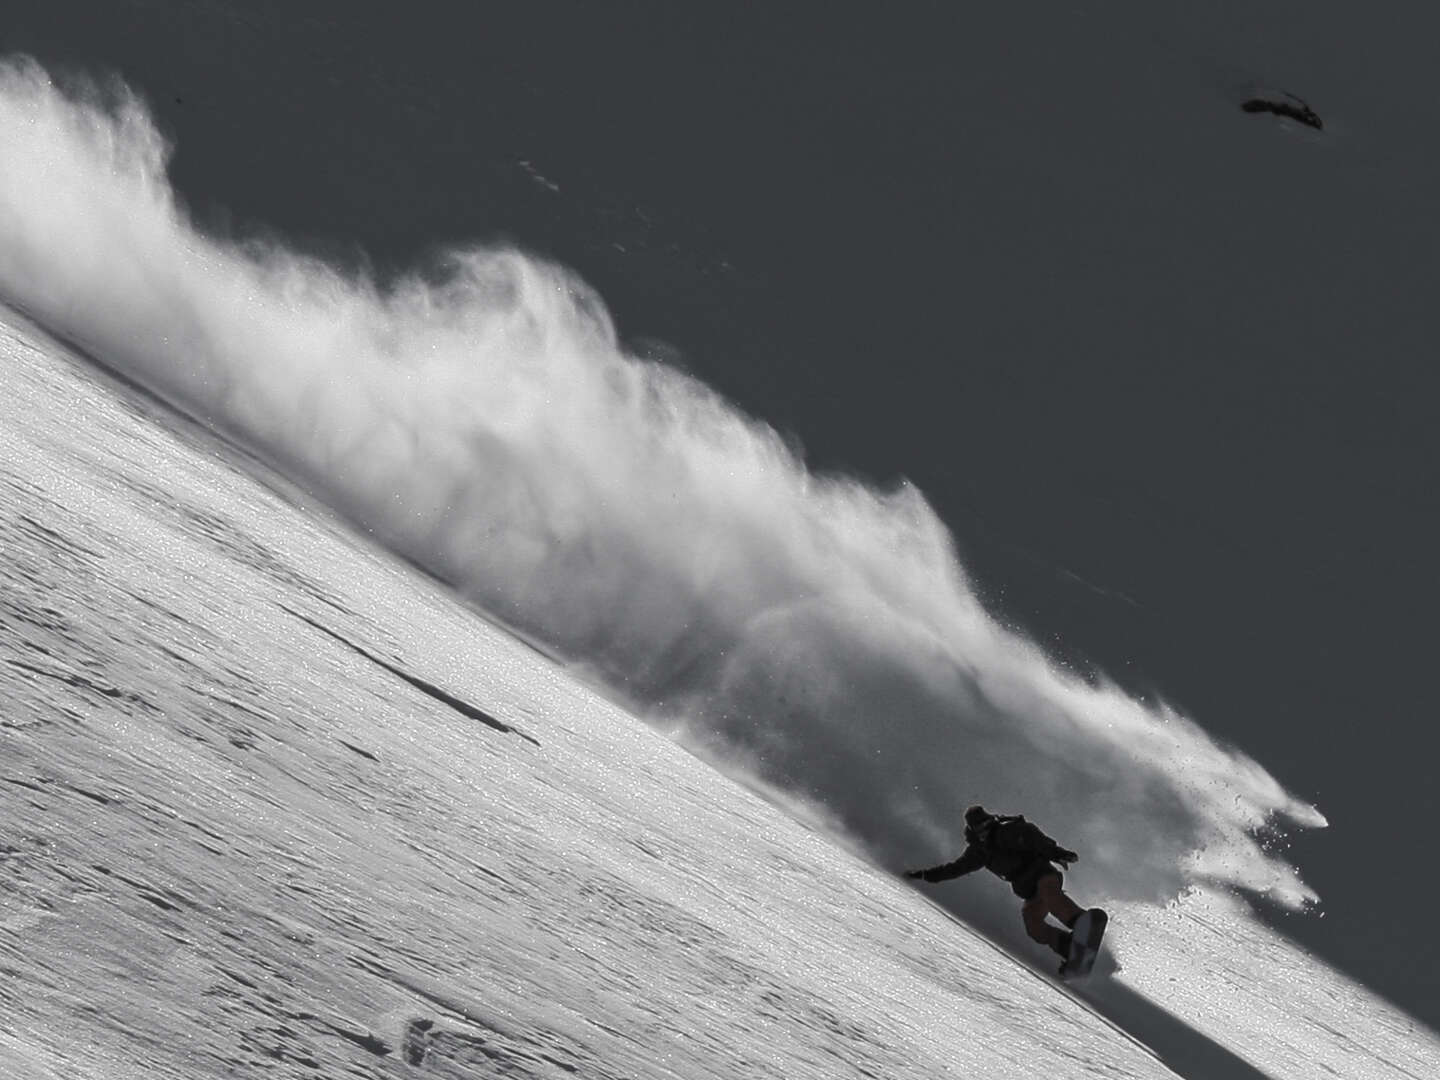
{"points": [[915, 873], [1065, 857]]}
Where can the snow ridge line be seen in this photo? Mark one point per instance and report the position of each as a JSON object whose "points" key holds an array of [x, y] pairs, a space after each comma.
{"points": [[464, 708]]}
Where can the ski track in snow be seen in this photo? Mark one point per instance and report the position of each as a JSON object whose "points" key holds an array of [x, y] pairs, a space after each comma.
{"points": [[233, 845], [409, 845]]}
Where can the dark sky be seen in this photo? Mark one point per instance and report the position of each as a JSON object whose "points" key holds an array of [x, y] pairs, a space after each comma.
{"points": [[1165, 367]]}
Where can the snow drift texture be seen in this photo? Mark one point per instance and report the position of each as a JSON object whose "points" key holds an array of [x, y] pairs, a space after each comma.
{"points": [[481, 418]]}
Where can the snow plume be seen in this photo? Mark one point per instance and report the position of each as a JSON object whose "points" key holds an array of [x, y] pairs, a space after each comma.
{"points": [[814, 632]]}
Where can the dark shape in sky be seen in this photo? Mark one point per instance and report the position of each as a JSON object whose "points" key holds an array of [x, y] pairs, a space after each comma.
{"points": [[1295, 109]]}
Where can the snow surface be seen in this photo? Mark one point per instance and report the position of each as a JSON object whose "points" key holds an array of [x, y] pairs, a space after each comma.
{"points": [[233, 845], [260, 817]]}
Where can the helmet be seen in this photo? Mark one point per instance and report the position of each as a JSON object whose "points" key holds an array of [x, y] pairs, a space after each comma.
{"points": [[976, 816]]}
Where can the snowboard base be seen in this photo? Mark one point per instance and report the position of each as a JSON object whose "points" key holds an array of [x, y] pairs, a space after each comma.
{"points": [[1085, 940]]}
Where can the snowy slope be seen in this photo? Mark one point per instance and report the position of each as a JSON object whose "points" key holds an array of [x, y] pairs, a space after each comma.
{"points": [[244, 834], [484, 419], [235, 844]]}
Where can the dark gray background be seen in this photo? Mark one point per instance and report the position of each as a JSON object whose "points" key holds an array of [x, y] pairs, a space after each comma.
{"points": [[1165, 368]]}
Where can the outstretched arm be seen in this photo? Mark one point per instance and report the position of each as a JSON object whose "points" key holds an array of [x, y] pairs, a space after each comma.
{"points": [[972, 859]]}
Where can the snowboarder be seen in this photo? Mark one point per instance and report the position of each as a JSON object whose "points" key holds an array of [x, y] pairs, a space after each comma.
{"points": [[1018, 852]]}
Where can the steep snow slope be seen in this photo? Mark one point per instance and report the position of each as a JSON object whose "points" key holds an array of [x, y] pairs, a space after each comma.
{"points": [[273, 804], [486, 422], [1205, 328]]}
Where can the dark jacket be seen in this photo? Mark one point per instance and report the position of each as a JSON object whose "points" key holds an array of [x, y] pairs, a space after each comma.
{"points": [[1009, 847]]}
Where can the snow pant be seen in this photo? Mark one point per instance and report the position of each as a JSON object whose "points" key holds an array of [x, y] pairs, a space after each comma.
{"points": [[1050, 899]]}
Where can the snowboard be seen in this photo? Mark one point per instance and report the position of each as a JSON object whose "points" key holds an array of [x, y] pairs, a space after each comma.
{"points": [[1085, 940]]}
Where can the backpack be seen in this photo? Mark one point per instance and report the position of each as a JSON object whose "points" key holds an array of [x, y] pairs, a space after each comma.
{"points": [[1015, 834]]}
